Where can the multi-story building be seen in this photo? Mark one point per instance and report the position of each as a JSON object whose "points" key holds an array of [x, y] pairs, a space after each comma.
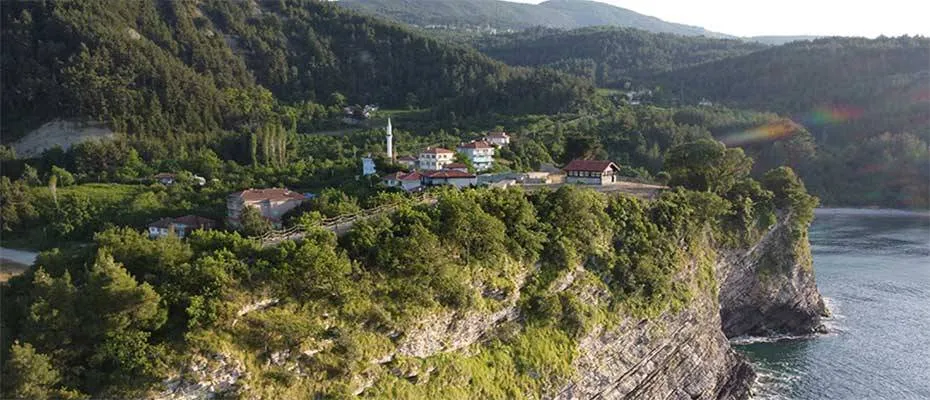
{"points": [[497, 138], [434, 158], [480, 153]]}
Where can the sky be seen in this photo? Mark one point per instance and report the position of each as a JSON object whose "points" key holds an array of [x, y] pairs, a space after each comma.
{"points": [[867, 18]]}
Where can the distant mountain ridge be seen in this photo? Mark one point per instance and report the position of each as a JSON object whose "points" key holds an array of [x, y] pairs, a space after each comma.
{"points": [[505, 15]]}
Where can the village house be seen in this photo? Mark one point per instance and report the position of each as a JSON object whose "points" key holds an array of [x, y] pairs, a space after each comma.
{"points": [[498, 139], [405, 180], [434, 158], [480, 153], [409, 162], [165, 178], [452, 177], [456, 166], [271, 204], [181, 226], [591, 172]]}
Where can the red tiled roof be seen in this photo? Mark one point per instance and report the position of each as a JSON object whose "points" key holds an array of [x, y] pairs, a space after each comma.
{"points": [[589, 165], [274, 194], [447, 173], [455, 165], [188, 220], [475, 145], [162, 175], [404, 176], [437, 150]]}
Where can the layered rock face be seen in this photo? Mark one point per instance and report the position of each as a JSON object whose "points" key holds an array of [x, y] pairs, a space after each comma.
{"points": [[770, 288], [680, 355]]}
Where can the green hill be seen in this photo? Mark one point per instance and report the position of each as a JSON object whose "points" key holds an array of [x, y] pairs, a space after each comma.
{"points": [[497, 14], [609, 55], [837, 86], [154, 67]]}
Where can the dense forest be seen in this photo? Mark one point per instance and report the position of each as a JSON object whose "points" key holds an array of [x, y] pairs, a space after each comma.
{"points": [[609, 56], [159, 67], [488, 15]]}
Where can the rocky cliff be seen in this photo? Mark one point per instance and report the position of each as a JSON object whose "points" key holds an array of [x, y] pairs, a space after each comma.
{"points": [[683, 353], [770, 288]]}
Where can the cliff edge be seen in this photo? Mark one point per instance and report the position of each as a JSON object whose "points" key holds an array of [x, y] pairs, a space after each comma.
{"points": [[770, 289]]}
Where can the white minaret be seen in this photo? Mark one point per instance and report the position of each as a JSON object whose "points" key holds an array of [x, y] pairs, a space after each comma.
{"points": [[390, 140]]}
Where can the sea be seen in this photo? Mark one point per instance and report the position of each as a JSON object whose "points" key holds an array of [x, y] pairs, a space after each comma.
{"points": [[873, 269]]}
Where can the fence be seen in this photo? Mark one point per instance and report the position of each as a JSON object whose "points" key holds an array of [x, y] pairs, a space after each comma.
{"points": [[339, 224]]}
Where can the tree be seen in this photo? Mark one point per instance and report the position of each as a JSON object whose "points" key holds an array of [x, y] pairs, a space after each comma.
{"points": [[707, 165], [253, 223], [29, 374], [16, 207], [462, 158], [64, 177]]}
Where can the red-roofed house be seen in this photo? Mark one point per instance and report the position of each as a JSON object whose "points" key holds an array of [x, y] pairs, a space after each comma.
{"points": [[271, 203], [449, 177], [434, 158], [404, 180], [181, 226], [479, 152], [591, 172]]}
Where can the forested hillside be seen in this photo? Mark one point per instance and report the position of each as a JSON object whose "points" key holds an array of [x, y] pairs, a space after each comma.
{"points": [[837, 86], [505, 15], [609, 56], [157, 67]]}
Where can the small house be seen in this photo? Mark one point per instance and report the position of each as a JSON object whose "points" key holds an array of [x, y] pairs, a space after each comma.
{"points": [[456, 166], [498, 139], [409, 162], [165, 178], [405, 180], [591, 172], [452, 177], [271, 203], [368, 165]]}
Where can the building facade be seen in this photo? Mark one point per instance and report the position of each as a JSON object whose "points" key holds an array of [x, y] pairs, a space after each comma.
{"points": [[368, 165], [434, 158], [480, 153], [271, 204], [591, 172], [452, 177], [498, 139], [404, 180]]}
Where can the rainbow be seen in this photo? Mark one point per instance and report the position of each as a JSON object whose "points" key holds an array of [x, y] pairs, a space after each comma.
{"points": [[832, 115], [765, 133]]}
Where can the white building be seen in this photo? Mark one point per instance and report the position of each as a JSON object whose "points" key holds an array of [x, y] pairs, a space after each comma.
{"points": [[592, 172], [434, 158], [368, 165], [480, 153], [498, 139]]}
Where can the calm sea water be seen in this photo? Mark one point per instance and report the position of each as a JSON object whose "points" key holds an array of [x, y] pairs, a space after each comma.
{"points": [[873, 269]]}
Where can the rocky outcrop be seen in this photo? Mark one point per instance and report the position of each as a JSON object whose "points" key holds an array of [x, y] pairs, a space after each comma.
{"points": [[204, 378], [680, 355], [770, 288]]}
